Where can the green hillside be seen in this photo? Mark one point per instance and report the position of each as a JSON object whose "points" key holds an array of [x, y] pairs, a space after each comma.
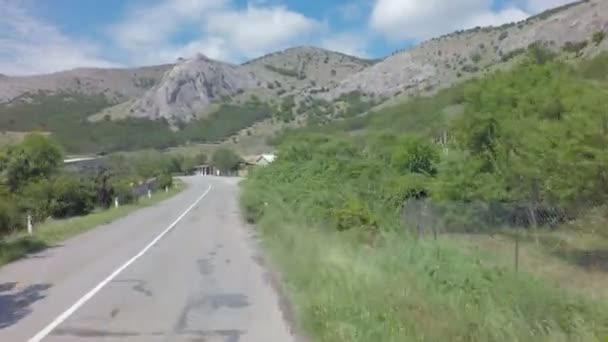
{"points": [[65, 116]]}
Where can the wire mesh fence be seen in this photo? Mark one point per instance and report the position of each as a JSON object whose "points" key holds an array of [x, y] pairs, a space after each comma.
{"points": [[517, 222]]}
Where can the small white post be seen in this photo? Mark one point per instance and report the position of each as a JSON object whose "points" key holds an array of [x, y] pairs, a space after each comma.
{"points": [[29, 224], [115, 202], [149, 193], [166, 188]]}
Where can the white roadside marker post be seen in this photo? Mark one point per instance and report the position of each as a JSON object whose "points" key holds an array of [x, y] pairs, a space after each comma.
{"points": [[149, 193], [115, 202], [29, 224], [166, 188]]}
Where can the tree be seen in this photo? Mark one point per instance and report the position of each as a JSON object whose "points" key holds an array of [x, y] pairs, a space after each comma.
{"points": [[201, 158], [225, 159], [37, 157]]}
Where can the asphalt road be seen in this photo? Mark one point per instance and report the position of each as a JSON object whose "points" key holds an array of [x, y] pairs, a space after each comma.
{"points": [[149, 277]]}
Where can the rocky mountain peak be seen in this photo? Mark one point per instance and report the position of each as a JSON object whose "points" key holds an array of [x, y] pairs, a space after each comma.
{"points": [[190, 87]]}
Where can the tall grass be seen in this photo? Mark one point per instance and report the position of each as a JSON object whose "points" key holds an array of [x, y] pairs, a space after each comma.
{"points": [[400, 289]]}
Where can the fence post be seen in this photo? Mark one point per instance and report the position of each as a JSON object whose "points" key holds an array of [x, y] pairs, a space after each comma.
{"points": [[29, 224], [517, 248]]}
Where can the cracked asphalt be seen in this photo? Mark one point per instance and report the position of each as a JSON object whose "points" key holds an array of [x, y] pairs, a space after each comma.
{"points": [[200, 282]]}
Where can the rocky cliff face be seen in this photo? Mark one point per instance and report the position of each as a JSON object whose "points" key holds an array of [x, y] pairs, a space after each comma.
{"points": [[190, 87]]}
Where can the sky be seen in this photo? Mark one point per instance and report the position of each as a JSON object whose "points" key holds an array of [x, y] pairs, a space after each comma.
{"points": [[42, 36]]}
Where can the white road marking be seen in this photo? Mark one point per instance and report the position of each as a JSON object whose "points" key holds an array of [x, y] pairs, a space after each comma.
{"points": [[67, 313]]}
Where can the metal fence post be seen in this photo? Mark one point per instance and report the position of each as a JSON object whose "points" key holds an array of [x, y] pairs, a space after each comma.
{"points": [[517, 248]]}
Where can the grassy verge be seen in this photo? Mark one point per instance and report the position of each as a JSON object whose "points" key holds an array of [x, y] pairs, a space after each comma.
{"points": [[54, 231], [400, 289], [574, 261]]}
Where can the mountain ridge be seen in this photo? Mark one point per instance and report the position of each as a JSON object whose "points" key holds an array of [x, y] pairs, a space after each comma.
{"points": [[305, 83]]}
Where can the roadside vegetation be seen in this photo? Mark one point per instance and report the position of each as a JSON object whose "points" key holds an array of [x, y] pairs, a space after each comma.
{"points": [[18, 244], [34, 183], [531, 141]]}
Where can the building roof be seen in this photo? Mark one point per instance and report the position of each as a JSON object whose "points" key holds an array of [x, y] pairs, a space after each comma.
{"points": [[268, 157]]}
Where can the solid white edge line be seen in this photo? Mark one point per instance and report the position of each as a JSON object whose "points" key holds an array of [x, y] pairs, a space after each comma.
{"points": [[67, 313]]}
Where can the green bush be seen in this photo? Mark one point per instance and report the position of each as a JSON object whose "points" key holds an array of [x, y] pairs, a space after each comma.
{"points": [[598, 37], [73, 196], [353, 213], [476, 57], [37, 199], [11, 218], [123, 190], [575, 47], [37, 157], [165, 180]]}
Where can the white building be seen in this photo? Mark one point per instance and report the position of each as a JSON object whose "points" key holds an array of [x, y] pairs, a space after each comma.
{"points": [[265, 159]]}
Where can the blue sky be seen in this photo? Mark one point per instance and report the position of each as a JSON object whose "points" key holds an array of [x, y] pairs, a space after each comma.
{"points": [[39, 36]]}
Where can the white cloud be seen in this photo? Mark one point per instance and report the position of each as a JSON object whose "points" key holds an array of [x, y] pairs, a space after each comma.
{"points": [[348, 42], [489, 18], [536, 6], [31, 46], [221, 30], [255, 31], [145, 25], [418, 20]]}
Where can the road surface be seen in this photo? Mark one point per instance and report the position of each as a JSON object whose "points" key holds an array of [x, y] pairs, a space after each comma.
{"points": [[150, 276]]}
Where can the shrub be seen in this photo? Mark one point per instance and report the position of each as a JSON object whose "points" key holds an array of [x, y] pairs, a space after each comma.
{"points": [[11, 218], [37, 199], [353, 213], [72, 197], [512, 54], [470, 68], [283, 71], [165, 180], [598, 37], [123, 189], [503, 35], [575, 47], [415, 155], [540, 54], [476, 57]]}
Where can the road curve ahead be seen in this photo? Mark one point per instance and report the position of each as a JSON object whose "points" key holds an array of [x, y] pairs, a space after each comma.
{"points": [[183, 270]]}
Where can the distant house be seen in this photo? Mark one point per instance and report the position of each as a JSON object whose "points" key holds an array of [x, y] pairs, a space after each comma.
{"points": [[265, 159]]}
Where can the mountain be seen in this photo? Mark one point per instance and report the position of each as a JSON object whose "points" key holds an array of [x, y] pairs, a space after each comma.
{"points": [[443, 61], [204, 100], [191, 87], [115, 84]]}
